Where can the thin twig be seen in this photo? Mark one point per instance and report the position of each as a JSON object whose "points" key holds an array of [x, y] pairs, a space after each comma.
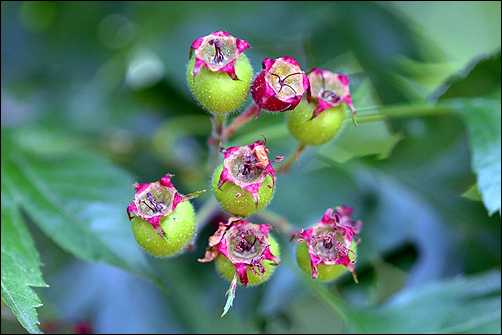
{"points": [[285, 165], [239, 121]]}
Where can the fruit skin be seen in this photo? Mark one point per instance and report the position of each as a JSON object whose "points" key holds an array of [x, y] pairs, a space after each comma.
{"points": [[242, 206], [179, 227], [315, 131], [327, 272], [216, 91], [318, 121], [227, 269]]}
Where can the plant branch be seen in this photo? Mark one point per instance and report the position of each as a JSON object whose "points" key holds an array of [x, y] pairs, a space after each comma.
{"points": [[204, 214], [218, 121], [399, 111], [284, 166], [278, 221]]}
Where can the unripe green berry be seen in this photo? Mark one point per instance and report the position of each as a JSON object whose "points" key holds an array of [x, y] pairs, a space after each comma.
{"points": [[227, 269], [162, 220], [216, 91], [318, 130], [328, 248], [179, 228], [237, 201], [244, 252], [327, 272]]}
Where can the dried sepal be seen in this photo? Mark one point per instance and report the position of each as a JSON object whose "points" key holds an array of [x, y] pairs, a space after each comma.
{"points": [[280, 86], [156, 200], [246, 246], [247, 166], [329, 240], [218, 52], [330, 90]]}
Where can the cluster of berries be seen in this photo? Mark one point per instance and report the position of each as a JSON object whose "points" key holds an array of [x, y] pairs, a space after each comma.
{"points": [[221, 78]]}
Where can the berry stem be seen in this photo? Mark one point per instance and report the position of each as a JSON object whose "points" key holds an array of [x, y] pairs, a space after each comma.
{"points": [[240, 120], [218, 121], [385, 112], [284, 166], [333, 302], [399, 111], [206, 213]]}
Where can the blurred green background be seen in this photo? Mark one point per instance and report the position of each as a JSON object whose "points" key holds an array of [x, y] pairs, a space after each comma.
{"points": [[94, 97]]}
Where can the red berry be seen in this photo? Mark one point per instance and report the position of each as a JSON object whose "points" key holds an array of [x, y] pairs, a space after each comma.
{"points": [[280, 86]]}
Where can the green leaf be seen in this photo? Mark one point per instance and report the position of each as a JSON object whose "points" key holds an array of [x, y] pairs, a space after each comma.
{"points": [[473, 193], [20, 265], [377, 35], [482, 118], [230, 294], [482, 80], [79, 200], [457, 305], [366, 139]]}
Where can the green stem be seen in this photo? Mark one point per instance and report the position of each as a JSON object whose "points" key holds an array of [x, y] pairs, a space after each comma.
{"points": [[399, 111], [336, 304], [204, 214], [218, 121], [278, 221], [333, 302], [386, 112]]}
